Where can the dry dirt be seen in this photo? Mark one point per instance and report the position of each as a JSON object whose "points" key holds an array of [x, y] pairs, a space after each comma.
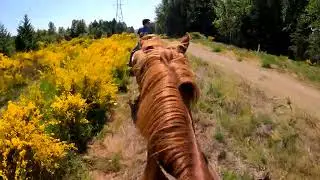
{"points": [[276, 84]]}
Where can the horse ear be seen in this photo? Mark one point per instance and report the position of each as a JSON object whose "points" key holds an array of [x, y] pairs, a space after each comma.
{"points": [[184, 44]]}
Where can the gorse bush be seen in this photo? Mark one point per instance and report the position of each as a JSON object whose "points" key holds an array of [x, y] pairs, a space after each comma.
{"points": [[70, 123], [10, 74], [25, 147], [70, 86]]}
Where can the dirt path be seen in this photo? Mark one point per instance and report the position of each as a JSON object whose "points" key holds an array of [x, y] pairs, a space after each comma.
{"points": [[271, 82], [121, 152]]}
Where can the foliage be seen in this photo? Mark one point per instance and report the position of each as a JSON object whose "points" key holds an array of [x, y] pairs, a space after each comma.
{"points": [[78, 27], [6, 41], [176, 17], [305, 70], [264, 134], [63, 106], [313, 11], [99, 28], [229, 175], [197, 35], [22, 143], [25, 40], [280, 27], [70, 123], [219, 136], [52, 28], [10, 74], [229, 15]]}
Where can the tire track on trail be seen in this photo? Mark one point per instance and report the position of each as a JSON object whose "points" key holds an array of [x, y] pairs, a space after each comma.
{"points": [[273, 83]]}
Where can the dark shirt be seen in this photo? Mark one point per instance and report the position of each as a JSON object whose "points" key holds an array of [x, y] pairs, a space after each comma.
{"points": [[144, 31]]}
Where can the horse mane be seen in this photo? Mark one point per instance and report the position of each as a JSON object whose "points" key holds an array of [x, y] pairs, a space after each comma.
{"points": [[167, 89], [172, 56]]}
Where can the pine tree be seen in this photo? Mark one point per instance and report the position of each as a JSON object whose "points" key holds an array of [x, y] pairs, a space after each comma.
{"points": [[6, 43], [51, 29], [78, 27], [25, 40]]}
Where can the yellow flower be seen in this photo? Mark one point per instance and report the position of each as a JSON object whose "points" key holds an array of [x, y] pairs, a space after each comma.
{"points": [[83, 73], [21, 132]]}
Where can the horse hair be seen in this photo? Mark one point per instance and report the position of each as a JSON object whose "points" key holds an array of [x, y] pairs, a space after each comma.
{"points": [[167, 89]]}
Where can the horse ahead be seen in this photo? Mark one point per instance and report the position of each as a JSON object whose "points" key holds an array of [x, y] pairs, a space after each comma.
{"points": [[162, 111]]}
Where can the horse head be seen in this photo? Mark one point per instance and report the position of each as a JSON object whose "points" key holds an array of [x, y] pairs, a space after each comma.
{"points": [[167, 88]]}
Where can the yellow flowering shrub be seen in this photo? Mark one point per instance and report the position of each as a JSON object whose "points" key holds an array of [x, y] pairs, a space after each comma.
{"points": [[24, 145], [70, 123], [71, 87], [91, 72], [10, 74]]}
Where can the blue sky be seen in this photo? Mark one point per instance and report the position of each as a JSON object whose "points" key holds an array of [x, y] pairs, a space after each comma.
{"points": [[61, 12]]}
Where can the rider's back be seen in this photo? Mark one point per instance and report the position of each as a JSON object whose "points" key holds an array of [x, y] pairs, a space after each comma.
{"points": [[144, 31]]}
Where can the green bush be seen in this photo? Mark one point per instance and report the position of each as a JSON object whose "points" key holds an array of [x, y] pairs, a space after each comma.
{"points": [[197, 35], [217, 49], [219, 136]]}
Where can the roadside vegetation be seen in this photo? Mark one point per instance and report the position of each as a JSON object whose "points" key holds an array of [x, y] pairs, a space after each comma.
{"points": [[273, 26], [255, 136], [66, 94]]}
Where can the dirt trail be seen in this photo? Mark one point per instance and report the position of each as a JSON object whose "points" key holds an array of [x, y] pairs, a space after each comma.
{"points": [[271, 82], [120, 138]]}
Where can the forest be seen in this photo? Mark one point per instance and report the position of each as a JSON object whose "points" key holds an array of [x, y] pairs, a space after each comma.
{"points": [[28, 38], [280, 27]]}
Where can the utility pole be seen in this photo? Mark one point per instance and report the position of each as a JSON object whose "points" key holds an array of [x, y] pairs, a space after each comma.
{"points": [[119, 15]]}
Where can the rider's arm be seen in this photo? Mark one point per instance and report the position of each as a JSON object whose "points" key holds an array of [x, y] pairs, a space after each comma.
{"points": [[139, 31]]}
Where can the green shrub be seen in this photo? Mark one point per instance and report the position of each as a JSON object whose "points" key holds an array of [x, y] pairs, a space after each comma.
{"points": [[217, 49], [219, 136], [70, 123], [197, 35]]}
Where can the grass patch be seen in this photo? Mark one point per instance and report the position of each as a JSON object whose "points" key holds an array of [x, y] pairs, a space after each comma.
{"points": [[219, 136], [267, 61], [217, 49], [263, 138], [229, 175], [106, 165], [114, 163], [75, 168], [106, 130], [197, 35]]}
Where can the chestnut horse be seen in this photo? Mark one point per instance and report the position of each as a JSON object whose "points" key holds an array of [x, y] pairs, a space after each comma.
{"points": [[162, 111]]}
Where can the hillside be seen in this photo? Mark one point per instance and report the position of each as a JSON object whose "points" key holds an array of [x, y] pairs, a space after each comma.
{"points": [[252, 122], [247, 125]]}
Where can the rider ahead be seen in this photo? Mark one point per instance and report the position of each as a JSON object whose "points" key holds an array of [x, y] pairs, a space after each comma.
{"points": [[145, 30]]}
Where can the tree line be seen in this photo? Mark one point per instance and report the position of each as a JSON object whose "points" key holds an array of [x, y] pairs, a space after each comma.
{"points": [[28, 38], [288, 27]]}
